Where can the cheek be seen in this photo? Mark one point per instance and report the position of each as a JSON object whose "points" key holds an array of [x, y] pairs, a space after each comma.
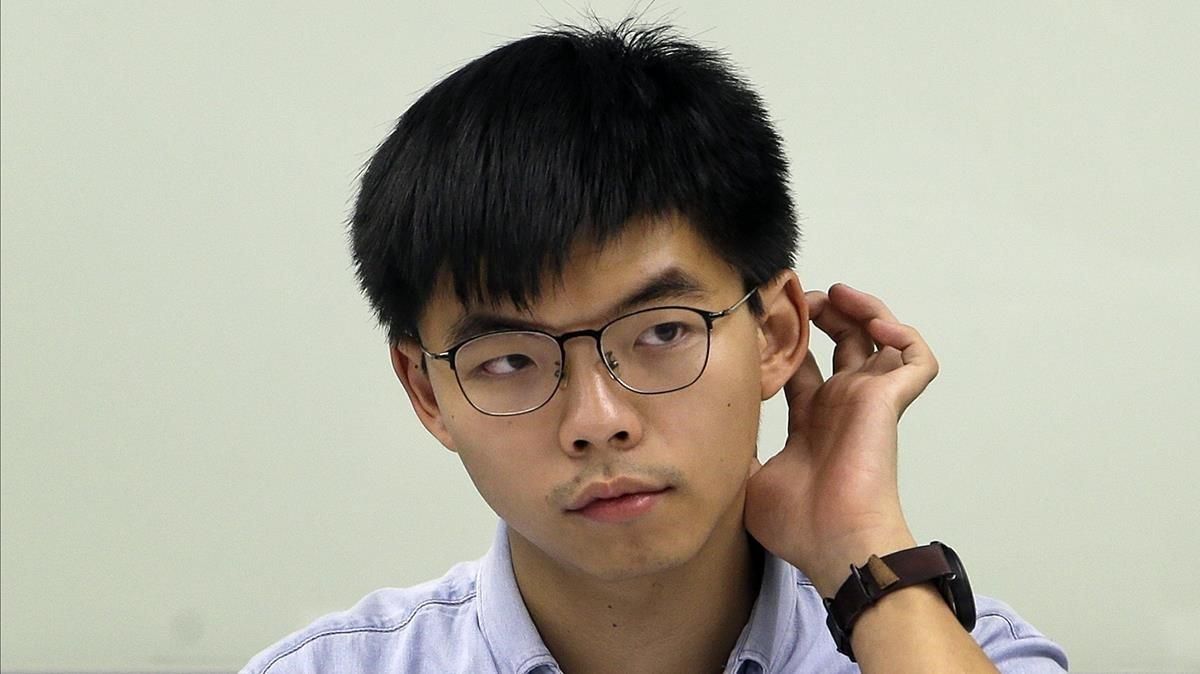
{"points": [[500, 458], [732, 383], [714, 424], [734, 397]]}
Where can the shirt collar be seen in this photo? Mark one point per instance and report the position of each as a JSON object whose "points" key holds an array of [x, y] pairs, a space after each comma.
{"points": [[509, 631]]}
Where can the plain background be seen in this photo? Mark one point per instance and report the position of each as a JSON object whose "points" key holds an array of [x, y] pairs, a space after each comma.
{"points": [[204, 447]]}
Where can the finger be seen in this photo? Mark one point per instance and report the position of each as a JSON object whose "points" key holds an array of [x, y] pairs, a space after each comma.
{"points": [[859, 305], [918, 364], [852, 344], [816, 300], [801, 386], [884, 360]]}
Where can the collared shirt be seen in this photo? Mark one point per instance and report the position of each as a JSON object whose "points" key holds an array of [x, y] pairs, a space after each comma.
{"points": [[474, 620]]}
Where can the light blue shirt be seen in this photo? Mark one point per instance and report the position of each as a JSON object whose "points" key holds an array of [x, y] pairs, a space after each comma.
{"points": [[473, 620]]}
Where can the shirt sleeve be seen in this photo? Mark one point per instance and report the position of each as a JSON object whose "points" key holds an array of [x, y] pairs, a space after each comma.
{"points": [[1012, 644]]}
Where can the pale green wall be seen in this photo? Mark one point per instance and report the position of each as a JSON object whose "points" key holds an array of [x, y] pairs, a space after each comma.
{"points": [[203, 444]]}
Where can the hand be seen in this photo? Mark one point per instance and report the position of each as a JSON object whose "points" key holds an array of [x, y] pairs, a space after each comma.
{"points": [[830, 498]]}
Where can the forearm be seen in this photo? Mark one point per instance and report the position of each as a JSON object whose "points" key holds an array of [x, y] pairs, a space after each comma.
{"points": [[912, 630]]}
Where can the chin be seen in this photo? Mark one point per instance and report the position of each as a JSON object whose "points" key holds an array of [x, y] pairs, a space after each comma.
{"points": [[629, 559], [619, 570]]}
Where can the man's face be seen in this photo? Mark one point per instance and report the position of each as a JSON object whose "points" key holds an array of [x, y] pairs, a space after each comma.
{"points": [[695, 445]]}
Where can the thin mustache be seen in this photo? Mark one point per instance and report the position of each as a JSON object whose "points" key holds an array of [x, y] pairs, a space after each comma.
{"points": [[561, 494]]}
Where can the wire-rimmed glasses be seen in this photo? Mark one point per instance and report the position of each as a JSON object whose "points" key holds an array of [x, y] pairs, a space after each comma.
{"points": [[650, 351]]}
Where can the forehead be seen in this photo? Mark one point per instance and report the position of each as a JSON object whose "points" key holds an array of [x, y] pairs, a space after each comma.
{"points": [[597, 278]]}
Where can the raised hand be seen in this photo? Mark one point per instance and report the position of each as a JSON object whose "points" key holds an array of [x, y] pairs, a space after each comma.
{"points": [[830, 497]]}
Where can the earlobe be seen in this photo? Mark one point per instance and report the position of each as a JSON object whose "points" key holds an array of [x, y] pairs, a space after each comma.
{"points": [[407, 364], [783, 329]]}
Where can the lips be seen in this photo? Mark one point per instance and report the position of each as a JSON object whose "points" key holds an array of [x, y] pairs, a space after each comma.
{"points": [[622, 509], [617, 500], [622, 486]]}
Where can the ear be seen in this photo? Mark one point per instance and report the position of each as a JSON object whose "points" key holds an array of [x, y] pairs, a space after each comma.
{"points": [[783, 331], [407, 360]]}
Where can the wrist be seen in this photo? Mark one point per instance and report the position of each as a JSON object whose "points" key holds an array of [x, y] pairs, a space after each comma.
{"points": [[828, 573], [910, 614], [887, 586], [905, 602]]}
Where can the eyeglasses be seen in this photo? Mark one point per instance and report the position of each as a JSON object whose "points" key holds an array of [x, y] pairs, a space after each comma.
{"points": [[651, 351]]}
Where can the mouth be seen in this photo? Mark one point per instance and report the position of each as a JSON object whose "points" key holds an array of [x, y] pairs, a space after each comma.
{"points": [[616, 501]]}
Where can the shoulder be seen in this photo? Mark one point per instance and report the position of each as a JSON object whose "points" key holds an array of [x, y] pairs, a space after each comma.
{"points": [[392, 629]]}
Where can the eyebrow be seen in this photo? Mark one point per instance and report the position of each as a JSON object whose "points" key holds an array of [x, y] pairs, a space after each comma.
{"points": [[671, 283]]}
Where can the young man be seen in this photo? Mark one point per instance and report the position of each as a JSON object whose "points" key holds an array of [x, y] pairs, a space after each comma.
{"points": [[581, 247]]}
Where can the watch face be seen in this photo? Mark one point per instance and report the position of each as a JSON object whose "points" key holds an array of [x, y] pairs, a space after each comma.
{"points": [[960, 590]]}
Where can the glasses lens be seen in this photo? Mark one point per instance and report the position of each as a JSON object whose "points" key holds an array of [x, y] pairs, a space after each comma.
{"points": [[658, 350], [509, 372]]}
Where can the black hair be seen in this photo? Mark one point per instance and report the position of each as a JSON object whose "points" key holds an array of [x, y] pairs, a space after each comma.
{"points": [[494, 173]]}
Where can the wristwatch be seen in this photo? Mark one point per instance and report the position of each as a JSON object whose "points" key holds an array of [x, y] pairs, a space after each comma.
{"points": [[935, 563]]}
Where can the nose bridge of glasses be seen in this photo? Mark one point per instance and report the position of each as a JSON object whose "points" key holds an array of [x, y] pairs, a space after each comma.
{"points": [[595, 335]]}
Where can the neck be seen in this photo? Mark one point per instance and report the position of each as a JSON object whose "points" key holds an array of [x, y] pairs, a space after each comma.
{"points": [[684, 619]]}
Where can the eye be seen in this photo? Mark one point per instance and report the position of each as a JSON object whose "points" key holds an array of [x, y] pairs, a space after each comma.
{"points": [[663, 334], [505, 365]]}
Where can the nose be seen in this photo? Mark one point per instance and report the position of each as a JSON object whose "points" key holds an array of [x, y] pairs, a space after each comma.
{"points": [[597, 411]]}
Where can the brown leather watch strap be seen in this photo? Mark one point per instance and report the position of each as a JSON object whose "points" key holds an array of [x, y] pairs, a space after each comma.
{"points": [[878, 577]]}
